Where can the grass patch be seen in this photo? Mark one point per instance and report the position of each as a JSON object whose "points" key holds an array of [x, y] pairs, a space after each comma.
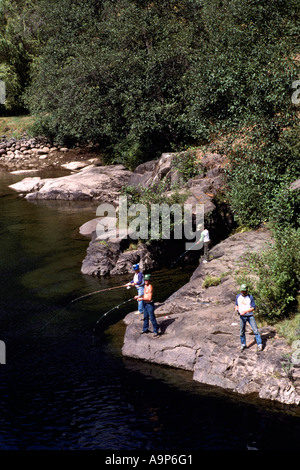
{"points": [[241, 229], [15, 126], [132, 247], [213, 280], [103, 242], [289, 328]]}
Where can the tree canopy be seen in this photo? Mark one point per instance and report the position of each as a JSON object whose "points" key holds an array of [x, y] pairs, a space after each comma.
{"points": [[141, 76]]}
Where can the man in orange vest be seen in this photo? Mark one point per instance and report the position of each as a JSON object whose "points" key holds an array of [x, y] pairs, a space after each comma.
{"points": [[147, 298]]}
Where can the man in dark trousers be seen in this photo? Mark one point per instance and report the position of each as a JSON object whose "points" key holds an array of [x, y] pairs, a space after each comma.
{"points": [[245, 306], [147, 298]]}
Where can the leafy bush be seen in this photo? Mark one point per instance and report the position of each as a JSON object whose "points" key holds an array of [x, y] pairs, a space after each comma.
{"points": [[187, 165], [285, 209], [157, 194], [260, 174]]}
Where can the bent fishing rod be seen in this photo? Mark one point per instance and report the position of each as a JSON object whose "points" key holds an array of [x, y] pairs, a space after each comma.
{"points": [[114, 308]]}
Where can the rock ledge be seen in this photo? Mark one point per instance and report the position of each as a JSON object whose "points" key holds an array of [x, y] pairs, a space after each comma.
{"points": [[200, 332]]}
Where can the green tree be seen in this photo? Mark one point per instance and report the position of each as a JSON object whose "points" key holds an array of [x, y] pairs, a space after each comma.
{"points": [[246, 68], [261, 172], [114, 71], [18, 47], [142, 77]]}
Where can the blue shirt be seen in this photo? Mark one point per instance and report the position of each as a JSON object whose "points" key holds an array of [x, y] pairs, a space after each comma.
{"points": [[138, 279]]}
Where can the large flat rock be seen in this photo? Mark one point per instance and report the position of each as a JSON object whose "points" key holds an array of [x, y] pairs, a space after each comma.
{"points": [[101, 183], [200, 332]]}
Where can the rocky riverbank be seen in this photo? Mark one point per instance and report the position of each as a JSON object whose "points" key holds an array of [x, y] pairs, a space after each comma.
{"points": [[92, 183], [200, 331], [36, 154]]}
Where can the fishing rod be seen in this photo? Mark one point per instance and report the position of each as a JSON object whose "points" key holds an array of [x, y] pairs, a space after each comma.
{"points": [[114, 308], [174, 262], [96, 292]]}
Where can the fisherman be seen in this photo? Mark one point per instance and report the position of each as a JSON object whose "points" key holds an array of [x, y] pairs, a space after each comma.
{"points": [[138, 282], [147, 298], [245, 306], [206, 242]]}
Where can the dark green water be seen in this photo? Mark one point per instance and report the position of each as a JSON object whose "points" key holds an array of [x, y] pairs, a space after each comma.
{"points": [[66, 387]]}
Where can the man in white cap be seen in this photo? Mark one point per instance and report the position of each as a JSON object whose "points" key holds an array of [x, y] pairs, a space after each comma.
{"points": [[245, 306]]}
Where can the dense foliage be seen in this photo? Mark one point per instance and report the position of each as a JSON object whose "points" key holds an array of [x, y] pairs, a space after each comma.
{"points": [[115, 72], [261, 172], [18, 47], [142, 77]]}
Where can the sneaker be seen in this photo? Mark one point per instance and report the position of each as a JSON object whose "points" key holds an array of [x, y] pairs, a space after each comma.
{"points": [[155, 335], [243, 347], [204, 261], [259, 348], [137, 312], [144, 332]]}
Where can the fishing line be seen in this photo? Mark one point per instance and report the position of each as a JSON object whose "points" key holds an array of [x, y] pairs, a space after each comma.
{"points": [[174, 262], [81, 297], [58, 313], [114, 308]]}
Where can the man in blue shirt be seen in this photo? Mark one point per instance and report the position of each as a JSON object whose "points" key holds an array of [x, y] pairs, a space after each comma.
{"points": [[245, 306], [138, 282]]}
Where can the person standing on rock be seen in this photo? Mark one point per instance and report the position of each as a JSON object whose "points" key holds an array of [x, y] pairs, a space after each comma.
{"points": [[138, 281], [206, 242], [245, 306], [147, 298]]}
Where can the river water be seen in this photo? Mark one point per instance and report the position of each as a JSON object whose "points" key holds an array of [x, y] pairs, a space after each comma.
{"points": [[66, 386]]}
